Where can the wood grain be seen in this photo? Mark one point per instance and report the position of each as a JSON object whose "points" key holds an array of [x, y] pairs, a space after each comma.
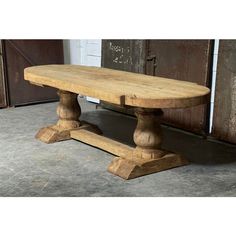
{"points": [[119, 87], [68, 112], [122, 88], [102, 142], [132, 168], [128, 164], [146, 158]]}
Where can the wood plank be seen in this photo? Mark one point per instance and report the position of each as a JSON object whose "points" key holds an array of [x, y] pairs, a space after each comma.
{"points": [[224, 121], [129, 168], [187, 60], [119, 87], [102, 142]]}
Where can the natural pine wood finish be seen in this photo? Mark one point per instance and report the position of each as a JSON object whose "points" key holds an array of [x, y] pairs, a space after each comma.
{"points": [[104, 143], [146, 158], [119, 87], [147, 93], [68, 112]]}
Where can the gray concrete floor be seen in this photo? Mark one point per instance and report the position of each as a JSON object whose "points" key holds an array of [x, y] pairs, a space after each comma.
{"points": [[70, 168]]}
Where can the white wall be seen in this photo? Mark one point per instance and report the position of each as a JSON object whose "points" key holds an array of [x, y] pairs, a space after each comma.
{"points": [[91, 52], [72, 52], [83, 52]]}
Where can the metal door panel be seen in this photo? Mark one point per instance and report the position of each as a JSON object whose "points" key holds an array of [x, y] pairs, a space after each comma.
{"points": [[188, 60], [224, 120], [127, 55], [20, 54], [3, 97]]}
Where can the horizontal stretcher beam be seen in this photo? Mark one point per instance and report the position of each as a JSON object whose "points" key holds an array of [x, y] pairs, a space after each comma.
{"points": [[104, 143]]}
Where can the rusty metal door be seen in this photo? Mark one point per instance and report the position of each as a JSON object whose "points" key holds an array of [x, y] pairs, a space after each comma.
{"points": [[127, 55], [19, 54], [3, 97], [188, 60], [224, 119]]}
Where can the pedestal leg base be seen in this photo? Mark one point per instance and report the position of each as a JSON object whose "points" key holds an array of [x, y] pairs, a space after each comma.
{"points": [[129, 168], [55, 133]]}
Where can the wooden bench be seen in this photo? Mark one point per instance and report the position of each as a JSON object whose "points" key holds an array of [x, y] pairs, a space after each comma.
{"points": [[148, 94]]}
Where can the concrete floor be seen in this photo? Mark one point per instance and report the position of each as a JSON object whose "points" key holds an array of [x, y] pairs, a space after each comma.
{"points": [[70, 168]]}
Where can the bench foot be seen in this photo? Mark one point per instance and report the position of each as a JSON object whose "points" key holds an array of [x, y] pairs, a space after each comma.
{"points": [[68, 112], [52, 134], [55, 133], [129, 168], [147, 157]]}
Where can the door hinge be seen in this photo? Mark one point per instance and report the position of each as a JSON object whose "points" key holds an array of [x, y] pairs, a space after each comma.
{"points": [[153, 59]]}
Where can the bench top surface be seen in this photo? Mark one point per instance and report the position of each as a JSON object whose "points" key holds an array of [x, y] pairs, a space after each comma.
{"points": [[119, 87]]}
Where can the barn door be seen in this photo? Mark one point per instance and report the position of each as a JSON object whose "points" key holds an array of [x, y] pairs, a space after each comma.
{"points": [[188, 60], [224, 120], [19, 54], [127, 55], [3, 97]]}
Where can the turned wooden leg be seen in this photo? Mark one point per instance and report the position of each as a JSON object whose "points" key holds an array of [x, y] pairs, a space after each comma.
{"points": [[147, 157], [148, 134], [68, 112]]}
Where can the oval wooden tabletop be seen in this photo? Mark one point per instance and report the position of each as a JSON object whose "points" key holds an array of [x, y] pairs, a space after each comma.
{"points": [[119, 87]]}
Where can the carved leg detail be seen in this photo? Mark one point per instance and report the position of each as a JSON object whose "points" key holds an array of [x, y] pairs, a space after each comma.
{"points": [[147, 157], [68, 112]]}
